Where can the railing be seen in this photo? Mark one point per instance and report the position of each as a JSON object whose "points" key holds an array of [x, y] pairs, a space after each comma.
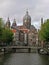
{"points": [[20, 47]]}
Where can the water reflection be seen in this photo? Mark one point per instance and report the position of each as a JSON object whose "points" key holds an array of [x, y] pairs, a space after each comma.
{"points": [[24, 59]]}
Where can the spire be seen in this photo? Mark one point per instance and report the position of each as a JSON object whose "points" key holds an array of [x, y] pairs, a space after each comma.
{"points": [[8, 19], [41, 21], [14, 20], [8, 23], [14, 25], [27, 11]]}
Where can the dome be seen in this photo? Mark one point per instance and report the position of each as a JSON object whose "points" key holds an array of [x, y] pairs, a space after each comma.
{"points": [[27, 16], [27, 20]]}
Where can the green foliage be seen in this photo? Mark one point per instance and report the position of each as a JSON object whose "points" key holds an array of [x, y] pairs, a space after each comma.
{"points": [[6, 35], [1, 28], [44, 31]]}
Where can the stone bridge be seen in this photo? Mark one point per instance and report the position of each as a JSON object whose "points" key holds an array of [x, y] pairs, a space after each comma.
{"points": [[20, 47]]}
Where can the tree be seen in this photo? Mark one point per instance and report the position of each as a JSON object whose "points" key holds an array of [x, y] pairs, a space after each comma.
{"points": [[1, 28], [7, 36], [44, 31]]}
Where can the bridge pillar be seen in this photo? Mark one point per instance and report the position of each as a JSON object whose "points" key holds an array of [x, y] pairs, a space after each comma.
{"points": [[29, 50], [38, 50], [14, 50]]}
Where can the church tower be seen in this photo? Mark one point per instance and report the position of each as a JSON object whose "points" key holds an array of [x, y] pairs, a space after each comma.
{"points": [[41, 21], [27, 20], [14, 25], [8, 23]]}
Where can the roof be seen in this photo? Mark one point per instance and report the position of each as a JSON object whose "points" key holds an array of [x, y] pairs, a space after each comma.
{"points": [[21, 27], [32, 27], [25, 30], [13, 30]]}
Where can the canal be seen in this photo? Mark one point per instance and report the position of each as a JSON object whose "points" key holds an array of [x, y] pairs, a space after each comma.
{"points": [[24, 59]]}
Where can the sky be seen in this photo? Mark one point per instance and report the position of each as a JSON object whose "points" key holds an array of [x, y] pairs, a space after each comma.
{"points": [[17, 8]]}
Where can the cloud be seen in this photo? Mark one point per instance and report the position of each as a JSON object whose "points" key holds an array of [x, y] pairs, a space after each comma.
{"points": [[17, 9]]}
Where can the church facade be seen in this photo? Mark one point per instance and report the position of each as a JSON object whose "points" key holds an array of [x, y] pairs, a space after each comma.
{"points": [[25, 34]]}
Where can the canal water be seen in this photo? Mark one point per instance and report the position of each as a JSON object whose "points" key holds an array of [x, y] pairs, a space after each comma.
{"points": [[24, 59]]}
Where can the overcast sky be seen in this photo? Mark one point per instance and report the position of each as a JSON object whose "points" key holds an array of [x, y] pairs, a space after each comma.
{"points": [[17, 9]]}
